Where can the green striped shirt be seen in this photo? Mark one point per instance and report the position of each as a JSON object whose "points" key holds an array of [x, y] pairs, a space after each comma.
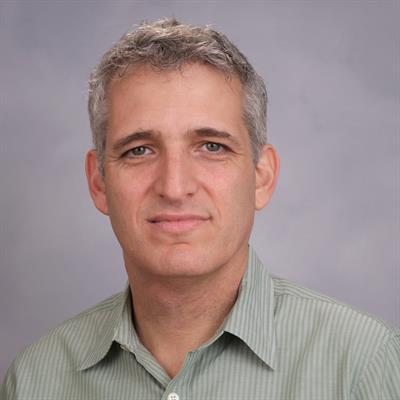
{"points": [[279, 342]]}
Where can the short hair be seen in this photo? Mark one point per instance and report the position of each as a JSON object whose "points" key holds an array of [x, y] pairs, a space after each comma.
{"points": [[167, 44]]}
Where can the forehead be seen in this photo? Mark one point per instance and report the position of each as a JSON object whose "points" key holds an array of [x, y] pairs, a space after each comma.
{"points": [[186, 74], [194, 94]]}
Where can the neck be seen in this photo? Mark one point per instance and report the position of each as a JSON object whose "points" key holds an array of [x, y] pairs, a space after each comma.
{"points": [[173, 316]]}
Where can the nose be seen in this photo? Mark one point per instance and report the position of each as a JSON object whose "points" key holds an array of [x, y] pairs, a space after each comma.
{"points": [[176, 179]]}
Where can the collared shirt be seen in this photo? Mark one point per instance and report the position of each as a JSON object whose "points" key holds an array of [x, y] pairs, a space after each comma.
{"points": [[279, 342]]}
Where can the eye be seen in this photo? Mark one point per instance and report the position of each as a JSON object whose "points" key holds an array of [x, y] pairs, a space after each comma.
{"points": [[213, 147], [137, 151]]}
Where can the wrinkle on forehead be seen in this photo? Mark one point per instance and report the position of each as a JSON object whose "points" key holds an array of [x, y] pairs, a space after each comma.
{"points": [[141, 72], [170, 101]]}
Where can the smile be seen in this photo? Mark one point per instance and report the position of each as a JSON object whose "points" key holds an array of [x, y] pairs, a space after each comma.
{"points": [[178, 223]]}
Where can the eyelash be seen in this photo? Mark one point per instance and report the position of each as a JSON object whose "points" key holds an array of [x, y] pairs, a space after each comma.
{"points": [[222, 147], [126, 154]]}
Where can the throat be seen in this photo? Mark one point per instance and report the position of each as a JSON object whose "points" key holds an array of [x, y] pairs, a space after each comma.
{"points": [[171, 327]]}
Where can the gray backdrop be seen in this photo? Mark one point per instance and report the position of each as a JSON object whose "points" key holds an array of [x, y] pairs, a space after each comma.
{"points": [[332, 70]]}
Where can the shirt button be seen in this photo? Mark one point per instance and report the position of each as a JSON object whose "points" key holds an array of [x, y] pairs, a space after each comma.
{"points": [[173, 396]]}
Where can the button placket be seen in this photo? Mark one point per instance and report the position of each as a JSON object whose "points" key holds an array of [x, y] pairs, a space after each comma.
{"points": [[173, 396], [174, 387]]}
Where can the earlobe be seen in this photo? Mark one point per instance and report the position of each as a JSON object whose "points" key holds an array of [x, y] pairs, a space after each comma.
{"points": [[96, 182], [267, 170]]}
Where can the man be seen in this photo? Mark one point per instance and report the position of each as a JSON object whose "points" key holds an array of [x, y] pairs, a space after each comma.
{"points": [[180, 165]]}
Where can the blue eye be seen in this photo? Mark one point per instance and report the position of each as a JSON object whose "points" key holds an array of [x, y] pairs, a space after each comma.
{"points": [[137, 151], [213, 147]]}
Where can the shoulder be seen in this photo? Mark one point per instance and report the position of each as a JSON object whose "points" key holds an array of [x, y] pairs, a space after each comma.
{"points": [[64, 347], [317, 330], [330, 327], [78, 331], [317, 309]]}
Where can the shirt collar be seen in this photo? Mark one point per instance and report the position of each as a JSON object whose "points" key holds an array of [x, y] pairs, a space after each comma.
{"points": [[251, 319], [252, 316], [125, 333], [106, 329]]}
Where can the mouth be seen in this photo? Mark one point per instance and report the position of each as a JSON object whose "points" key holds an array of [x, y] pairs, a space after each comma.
{"points": [[178, 223]]}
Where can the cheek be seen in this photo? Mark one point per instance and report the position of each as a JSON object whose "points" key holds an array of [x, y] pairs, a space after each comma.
{"points": [[235, 195], [126, 188], [243, 204], [123, 199]]}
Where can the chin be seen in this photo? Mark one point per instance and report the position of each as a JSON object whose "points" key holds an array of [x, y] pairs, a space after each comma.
{"points": [[183, 261]]}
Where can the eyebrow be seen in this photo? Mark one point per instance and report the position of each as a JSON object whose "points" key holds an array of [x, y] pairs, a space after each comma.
{"points": [[205, 132], [132, 137], [212, 132]]}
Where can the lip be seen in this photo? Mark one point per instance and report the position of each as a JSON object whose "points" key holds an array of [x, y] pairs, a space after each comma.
{"points": [[177, 223]]}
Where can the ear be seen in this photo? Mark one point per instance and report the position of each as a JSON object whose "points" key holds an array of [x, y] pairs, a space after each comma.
{"points": [[95, 181], [267, 170]]}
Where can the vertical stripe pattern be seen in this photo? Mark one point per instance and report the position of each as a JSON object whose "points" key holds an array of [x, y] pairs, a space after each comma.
{"points": [[279, 342]]}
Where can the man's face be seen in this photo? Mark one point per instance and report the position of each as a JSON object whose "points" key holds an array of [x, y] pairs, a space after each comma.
{"points": [[180, 183]]}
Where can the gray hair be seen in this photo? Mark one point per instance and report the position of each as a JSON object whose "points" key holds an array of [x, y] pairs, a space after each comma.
{"points": [[168, 44]]}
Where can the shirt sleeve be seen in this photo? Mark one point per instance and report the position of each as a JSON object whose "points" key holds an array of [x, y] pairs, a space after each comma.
{"points": [[7, 388], [381, 378]]}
